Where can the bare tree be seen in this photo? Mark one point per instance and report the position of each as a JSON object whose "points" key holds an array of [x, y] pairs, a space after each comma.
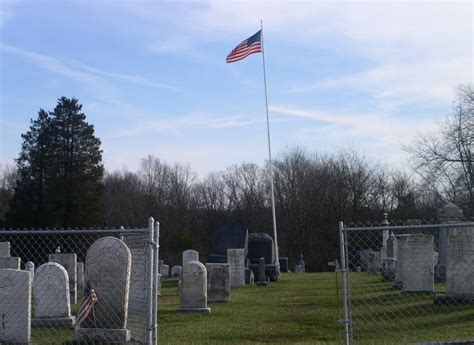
{"points": [[444, 159]]}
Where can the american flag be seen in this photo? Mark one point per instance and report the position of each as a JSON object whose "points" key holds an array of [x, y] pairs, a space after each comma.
{"points": [[251, 45], [87, 306]]}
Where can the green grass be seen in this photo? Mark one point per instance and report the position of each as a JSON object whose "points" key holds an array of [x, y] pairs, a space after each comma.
{"points": [[302, 309]]}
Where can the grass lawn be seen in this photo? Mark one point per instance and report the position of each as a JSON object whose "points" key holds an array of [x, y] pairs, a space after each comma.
{"points": [[302, 309]]}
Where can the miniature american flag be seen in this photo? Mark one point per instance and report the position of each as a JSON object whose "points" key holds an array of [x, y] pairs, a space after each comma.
{"points": [[251, 45], [87, 306]]}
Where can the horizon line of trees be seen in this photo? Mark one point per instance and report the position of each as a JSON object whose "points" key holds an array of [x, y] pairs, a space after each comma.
{"points": [[313, 191]]}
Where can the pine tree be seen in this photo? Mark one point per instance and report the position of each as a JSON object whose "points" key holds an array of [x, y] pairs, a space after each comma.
{"points": [[60, 171]]}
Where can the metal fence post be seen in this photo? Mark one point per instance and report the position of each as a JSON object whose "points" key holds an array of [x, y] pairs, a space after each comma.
{"points": [[344, 270], [151, 223], [156, 284]]}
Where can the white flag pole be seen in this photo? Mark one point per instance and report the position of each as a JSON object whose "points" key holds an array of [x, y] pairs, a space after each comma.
{"points": [[275, 238]]}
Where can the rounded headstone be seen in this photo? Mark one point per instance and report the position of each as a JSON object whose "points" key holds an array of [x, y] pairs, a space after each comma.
{"points": [[51, 291]]}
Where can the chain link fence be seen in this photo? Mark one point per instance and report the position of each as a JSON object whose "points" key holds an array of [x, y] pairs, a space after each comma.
{"points": [[79, 286], [407, 283]]}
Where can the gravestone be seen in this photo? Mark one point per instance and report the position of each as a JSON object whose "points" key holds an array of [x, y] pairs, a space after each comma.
{"points": [[373, 262], [299, 269], [227, 236], [176, 271], [416, 254], [30, 267], [51, 295], [302, 264], [398, 263], [165, 270], [80, 278], [108, 264], [262, 278], [449, 213], [15, 306], [10, 262], [236, 259], [392, 246], [460, 262], [4, 248], [218, 282], [261, 245], [190, 255], [283, 264], [69, 262], [194, 288], [249, 276]]}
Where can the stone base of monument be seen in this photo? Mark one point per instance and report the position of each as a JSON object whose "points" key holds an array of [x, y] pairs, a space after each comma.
{"points": [[194, 310], [443, 299], [103, 335], [53, 322], [264, 283]]}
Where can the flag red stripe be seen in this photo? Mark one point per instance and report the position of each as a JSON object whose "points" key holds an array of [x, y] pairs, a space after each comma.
{"points": [[242, 55]]}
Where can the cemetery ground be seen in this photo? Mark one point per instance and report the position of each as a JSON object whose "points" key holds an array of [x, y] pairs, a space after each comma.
{"points": [[302, 309]]}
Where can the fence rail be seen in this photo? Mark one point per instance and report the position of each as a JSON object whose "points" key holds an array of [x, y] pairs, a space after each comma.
{"points": [[89, 285]]}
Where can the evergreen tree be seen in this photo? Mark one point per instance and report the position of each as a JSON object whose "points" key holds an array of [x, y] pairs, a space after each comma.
{"points": [[60, 171]]}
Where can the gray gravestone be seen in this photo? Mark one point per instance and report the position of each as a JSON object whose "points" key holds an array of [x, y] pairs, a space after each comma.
{"points": [[51, 292], [4, 248], [15, 306], [449, 213], [218, 282], [373, 262], [460, 262], [262, 279], [236, 259], [165, 270], [10, 262], [176, 271], [69, 262], [284, 264], [80, 278], [190, 255], [225, 236], [299, 269], [108, 265], [194, 288], [416, 253]]}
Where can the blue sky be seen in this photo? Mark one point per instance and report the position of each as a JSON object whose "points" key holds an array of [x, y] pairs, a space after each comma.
{"points": [[153, 79]]}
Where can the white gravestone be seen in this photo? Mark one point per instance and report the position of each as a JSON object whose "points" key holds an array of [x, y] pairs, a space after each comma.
{"points": [[190, 255], [4, 248], [51, 294], [399, 259], [108, 263], [460, 262], [373, 262], [80, 278], [15, 306], [236, 259], [176, 271], [69, 262], [194, 288], [417, 252], [218, 282], [10, 262], [165, 271], [30, 267]]}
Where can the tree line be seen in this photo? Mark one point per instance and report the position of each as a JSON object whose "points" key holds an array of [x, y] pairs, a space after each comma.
{"points": [[61, 183]]}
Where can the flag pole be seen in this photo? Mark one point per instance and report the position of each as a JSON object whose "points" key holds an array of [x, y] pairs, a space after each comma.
{"points": [[275, 238]]}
